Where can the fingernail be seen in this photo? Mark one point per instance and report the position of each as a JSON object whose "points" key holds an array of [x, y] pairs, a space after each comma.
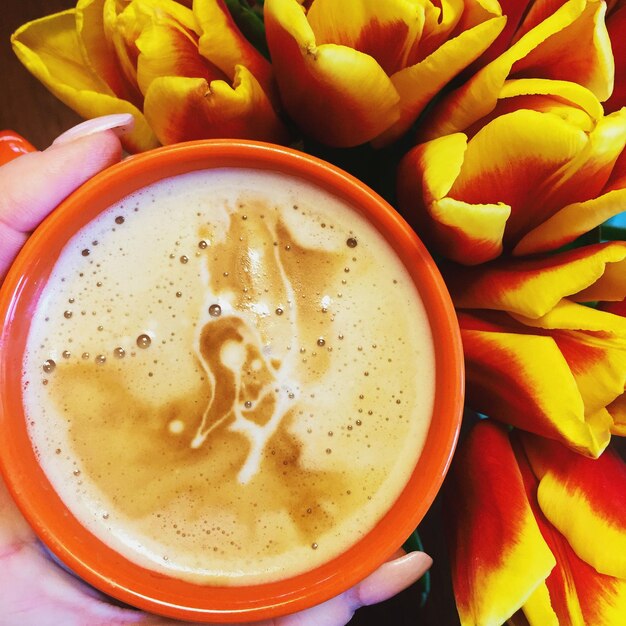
{"points": [[119, 122]]}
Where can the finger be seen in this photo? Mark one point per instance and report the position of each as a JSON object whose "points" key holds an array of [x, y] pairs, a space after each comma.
{"points": [[14, 531], [34, 184], [388, 580], [391, 578]]}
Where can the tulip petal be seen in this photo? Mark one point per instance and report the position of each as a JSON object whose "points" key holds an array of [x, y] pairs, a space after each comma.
{"points": [[514, 10], [168, 49], [183, 109], [498, 556], [418, 84], [574, 593], [389, 32], [466, 233], [617, 180], [533, 287], [593, 343], [617, 410], [50, 45], [570, 222], [50, 50], [598, 365], [569, 95], [592, 170], [511, 374], [478, 97], [567, 315], [588, 62], [538, 609], [222, 43], [616, 26], [578, 593], [99, 53], [517, 159], [124, 28], [337, 95], [472, 232], [595, 490]]}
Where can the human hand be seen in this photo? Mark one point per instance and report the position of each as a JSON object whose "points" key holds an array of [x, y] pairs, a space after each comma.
{"points": [[34, 591]]}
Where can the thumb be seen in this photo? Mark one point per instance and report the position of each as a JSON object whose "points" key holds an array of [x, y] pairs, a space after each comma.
{"points": [[32, 185]]}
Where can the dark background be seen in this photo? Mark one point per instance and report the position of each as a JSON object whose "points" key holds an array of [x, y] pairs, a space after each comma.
{"points": [[29, 109]]}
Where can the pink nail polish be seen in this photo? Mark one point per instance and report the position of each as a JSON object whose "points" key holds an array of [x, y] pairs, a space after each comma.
{"points": [[119, 122]]}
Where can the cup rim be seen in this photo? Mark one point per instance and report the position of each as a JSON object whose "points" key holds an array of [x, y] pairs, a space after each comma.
{"points": [[98, 564]]}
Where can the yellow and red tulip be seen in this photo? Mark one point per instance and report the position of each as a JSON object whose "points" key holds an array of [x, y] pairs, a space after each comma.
{"points": [[534, 357], [557, 41], [537, 528], [184, 74], [533, 287], [360, 70], [542, 168], [554, 375]]}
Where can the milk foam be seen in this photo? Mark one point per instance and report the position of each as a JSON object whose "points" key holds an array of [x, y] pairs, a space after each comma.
{"points": [[229, 377]]}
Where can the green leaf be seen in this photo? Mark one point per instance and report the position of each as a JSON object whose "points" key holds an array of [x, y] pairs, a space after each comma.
{"points": [[248, 16]]}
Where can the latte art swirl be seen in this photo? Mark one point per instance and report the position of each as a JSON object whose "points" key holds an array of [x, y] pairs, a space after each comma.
{"points": [[229, 377]]}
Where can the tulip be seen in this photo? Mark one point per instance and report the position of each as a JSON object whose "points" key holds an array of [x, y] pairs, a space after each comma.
{"points": [[537, 528], [183, 74], [542, 168], [358, 70], [537, 359], [557, 41], [555, 376]]}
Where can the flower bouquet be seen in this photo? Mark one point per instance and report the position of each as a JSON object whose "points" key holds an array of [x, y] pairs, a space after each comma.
{"points": [[496, 129]]}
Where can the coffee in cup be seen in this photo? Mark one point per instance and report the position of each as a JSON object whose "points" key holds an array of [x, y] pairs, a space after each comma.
{"points": [[231, 377]]}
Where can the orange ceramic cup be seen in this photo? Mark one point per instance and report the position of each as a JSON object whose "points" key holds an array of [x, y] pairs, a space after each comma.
{"points": [[94, 561]]}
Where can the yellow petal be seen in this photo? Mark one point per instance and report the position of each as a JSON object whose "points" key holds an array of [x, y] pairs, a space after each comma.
{"points": [[478, 97], [335, 94], [168, 49], [567, 315], [49, 47], [617, 410], [498, 556], [538, 609], [533, 287], [523, 379], [387, 31], [98, 52], [586, 174], [575, 593], [50, 50], [418, 84], [182, 109], [570, 222], [469, 233], [224, 46], [571, 93], [517, 159], [586, 45], [463, 232], [585, 500], [593, 343]]}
